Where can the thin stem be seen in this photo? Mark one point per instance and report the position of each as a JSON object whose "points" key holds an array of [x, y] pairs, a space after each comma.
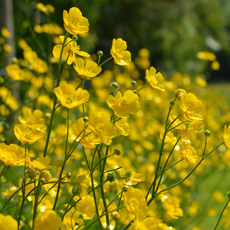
{"points": [[105, 61], [142, 88], [222, 213]]}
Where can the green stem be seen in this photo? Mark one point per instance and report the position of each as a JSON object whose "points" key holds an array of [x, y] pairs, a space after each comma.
{"points": [[105, 61], [37, 193], [142, 88], [222, 213]]}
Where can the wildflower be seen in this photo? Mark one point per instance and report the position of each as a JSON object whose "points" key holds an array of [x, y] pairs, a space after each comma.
{"points": [[70, 49], [47, 220], [122, 127], [7, 98], [215, 65], [169, 138], [31, 118], [134, 179], [90, 140], [226, 136], [180, 93], [171, 205], [134, 201], [191, 107], [154, 79], [99, 123], [86, 207], [86, 70], [8, 222], [83, 182], [188, 153], [123, 106], [41, 163], [206, 55], [46, 9], [14, 72], [25, 134], [69, 97], [74, 22], [5, 33], [12, 154], [120, 55]]}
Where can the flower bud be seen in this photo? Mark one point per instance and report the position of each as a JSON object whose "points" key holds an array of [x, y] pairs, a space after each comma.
{"points": [[134, 83], [207, 133], [172, 103], [111, 177], [125, 188], [116, 216], [85, 119], [69, 174], [114, 85], [42, 180], [77, 223], [74, 37], [32, 173], [100, 53], [117, 151], [134, 91], [76, 191], [46, 175], [47, 116], [128, 173]]}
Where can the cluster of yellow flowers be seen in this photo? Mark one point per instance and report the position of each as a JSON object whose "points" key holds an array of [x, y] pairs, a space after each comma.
{"points": [[87, 173]]}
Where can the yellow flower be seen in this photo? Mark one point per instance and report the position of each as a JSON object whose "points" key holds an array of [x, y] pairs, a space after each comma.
{"points": [[169, 138], [122, 127], [69, 97], [134, 179], [226, 136], [123, 106], [135, 202], [215, 65], [206, 55], [8, 222], [70, 49], [5, 33], [90, 140], [83, 182], [120, 55], [41, 163], [191, 107], [14, 72], [25, 134], [31, 118], [154, 79], [171, 205], [48, 220], [7, 98], [99, 123], [180, 93], [12, 154], [86, 207], [46, 9], [86, 70], [189, 153], [74, 22]]}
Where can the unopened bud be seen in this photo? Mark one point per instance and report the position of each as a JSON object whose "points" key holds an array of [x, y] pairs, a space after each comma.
{"points": [[85, 119], [134, 83], [46, 175], [100, 53], [172, 103], [128, 173], [114, 85], [69, 174], [32, 173], [117, 151], [116, 216], [47, 116], [42, 180], [125, 188], [111, 177], [207, 133], [76, 191], [74, 37]]}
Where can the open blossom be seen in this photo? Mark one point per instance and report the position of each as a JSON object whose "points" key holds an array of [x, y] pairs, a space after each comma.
{"points": [[135, 202], [99, 123], [74, 22], [191, 107], [120, 55], [86, 70], [25, 134], [70, 49], [8, 222], [226, 136], [189, 153], [122, 127], [69, 97], [154, 79], [12, 155], [123, 106]]}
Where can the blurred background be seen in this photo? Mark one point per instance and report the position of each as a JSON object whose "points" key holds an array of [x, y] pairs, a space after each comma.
{"points": [[173, 31]]}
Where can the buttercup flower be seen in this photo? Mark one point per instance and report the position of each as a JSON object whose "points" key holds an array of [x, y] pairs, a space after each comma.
{"points": [[88, 70], [86, 207], [8, 222], [100, 124], [90, 140], [180, 93], [134, 201], [74, 22], [191, 107], [25, 134], [69, 97], [134, 179], [123, 106], [122, 127], [47, 220], [14, 72], [189, 153], [71, 48], [12, 154], [226, 136], [120, 55], [41, 163], [154, 79], [206, 55]]}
